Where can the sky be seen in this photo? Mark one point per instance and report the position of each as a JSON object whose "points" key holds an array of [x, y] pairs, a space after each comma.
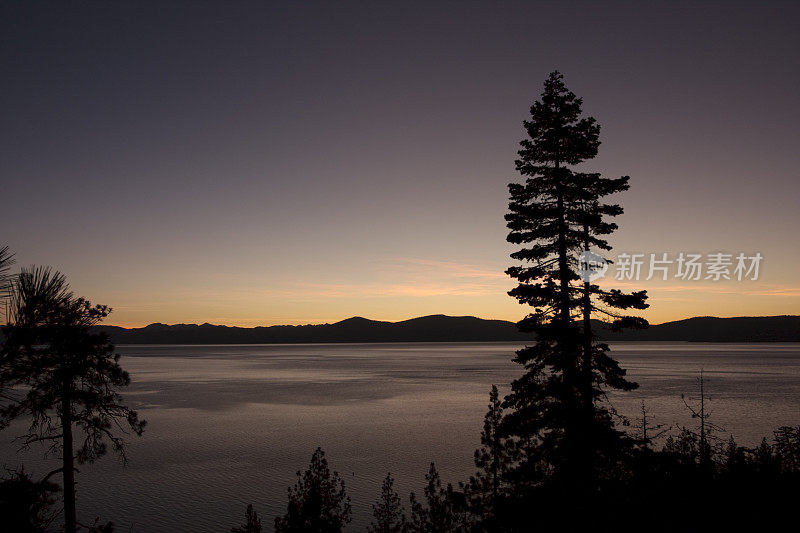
{"points": [[258, 163]]}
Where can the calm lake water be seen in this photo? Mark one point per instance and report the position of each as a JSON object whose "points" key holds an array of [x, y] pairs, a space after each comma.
{"points": [[230, 425]]}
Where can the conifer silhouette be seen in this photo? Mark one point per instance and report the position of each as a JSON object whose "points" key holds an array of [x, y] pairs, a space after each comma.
{"points": [[318, 502], [438, 514], [62, 377], [495, 457], [252, 522], [388, 510], [556, 409]]}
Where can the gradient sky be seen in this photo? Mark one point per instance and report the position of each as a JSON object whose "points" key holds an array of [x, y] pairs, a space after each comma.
{"points": [[251, 163]]}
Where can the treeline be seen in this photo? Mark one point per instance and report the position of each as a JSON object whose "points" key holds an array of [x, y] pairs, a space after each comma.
{"points": [[694, 481]]}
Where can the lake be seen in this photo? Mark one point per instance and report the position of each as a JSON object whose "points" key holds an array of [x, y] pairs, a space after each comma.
{"points": [[230, 425]]}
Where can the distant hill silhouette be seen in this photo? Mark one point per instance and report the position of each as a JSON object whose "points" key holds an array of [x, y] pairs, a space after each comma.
{"points": [[441, 328], [783, 328]]}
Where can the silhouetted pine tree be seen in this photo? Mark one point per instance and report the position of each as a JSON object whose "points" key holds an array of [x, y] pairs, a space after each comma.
{"points": [[318, 502], [765, 459], [252, 523], [388, 510], [62, 377], [443, 512], [493, 459], [557, 412], [735, 457], [596, 366]]}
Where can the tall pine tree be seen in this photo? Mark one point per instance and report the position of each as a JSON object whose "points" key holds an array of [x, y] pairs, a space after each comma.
{"points": [[557, 411], [63, 377]]}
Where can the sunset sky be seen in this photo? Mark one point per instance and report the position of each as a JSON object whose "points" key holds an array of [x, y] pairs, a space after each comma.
{"points": [[290, 163]]}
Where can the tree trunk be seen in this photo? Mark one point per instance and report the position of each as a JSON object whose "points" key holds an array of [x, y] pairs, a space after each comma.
{"points": [[563, 266], [68, 460], [587, 378], [588, 400], [569, 348]]}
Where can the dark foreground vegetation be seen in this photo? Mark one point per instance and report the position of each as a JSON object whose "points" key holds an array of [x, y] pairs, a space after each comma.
{"points": [[554, 454], [690, 484]]}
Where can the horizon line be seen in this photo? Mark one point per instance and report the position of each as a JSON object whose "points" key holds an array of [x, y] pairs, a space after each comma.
{"points": [[409, 319]]}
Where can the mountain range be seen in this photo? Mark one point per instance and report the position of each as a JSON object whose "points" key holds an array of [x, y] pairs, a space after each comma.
{"points": [[442, 328]]}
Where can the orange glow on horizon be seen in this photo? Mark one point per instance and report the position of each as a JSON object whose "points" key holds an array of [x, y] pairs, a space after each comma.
{"points": [[668, 303]]}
